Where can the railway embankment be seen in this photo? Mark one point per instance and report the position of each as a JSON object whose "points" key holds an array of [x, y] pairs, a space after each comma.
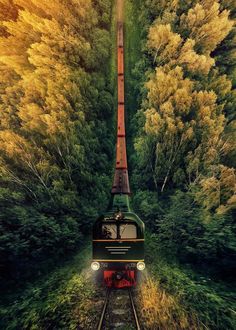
{"points": [[62, 299]]}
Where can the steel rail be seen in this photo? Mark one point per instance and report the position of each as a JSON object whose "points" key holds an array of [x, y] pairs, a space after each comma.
{"points": [[104, 309], [100, 324], [134, 310]]}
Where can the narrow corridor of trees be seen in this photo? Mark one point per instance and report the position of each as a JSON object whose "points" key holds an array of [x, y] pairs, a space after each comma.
{"points": [[57, 146]]}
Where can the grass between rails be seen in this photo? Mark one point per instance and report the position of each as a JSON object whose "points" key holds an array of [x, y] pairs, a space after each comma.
{"points": [[61, 300], [175, 297]]}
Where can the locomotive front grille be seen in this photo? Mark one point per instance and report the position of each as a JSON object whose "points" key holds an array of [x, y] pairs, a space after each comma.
{"points": [[118, 250]]}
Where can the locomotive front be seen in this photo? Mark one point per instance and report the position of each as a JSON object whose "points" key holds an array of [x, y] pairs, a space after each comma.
{"points": [[118, 247]]}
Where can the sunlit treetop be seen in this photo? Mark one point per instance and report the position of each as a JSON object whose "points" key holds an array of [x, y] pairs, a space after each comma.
{"points": [[207, 25]]}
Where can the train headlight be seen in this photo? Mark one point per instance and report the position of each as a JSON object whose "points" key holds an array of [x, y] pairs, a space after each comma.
{"points": [[95, 265], [141, 265]]}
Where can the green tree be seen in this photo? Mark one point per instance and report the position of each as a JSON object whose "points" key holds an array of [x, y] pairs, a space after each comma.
{"points": [[52, 57], [185, 129]]}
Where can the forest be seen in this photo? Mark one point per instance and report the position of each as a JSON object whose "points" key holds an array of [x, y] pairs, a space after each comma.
{"points": [[185, 130], [56, 104], [57, 153]]}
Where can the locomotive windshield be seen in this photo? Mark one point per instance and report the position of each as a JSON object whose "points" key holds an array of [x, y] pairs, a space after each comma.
{"points": [[119, 231], [128, 231], [109, 231]]}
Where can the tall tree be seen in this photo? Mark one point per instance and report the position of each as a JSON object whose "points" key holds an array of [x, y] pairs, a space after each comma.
{"points": [[52, 57], [189, 102]]}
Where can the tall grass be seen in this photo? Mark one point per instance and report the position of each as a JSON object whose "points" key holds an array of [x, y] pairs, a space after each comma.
{"points": [[173, 296], [63, 299], [160, 310]]}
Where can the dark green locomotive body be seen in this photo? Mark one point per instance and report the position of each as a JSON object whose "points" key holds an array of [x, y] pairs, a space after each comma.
{"points": [[118, 240], [118, 237]]}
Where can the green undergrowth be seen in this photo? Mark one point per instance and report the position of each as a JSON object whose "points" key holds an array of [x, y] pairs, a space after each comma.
{"points": [[60, 300], [132, 45], [132, 53], [212, 301]]}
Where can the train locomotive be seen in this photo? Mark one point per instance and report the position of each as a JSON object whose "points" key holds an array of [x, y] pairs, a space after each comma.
{"points": [[118, 245], [118, 235]]}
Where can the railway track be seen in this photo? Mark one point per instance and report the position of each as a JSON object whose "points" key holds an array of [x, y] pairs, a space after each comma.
{"points": [[118, 311]]}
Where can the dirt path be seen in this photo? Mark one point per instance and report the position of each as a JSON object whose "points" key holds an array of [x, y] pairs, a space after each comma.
{"points": [[120, 6]]}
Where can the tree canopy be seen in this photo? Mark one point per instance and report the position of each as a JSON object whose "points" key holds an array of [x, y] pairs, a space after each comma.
{"points": [[55, 105], [185, 128]]}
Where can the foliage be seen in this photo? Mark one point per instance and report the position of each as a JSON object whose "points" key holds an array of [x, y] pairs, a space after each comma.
{"points": [[184, 111], [192, 233], [62, 299], [199, 300], [55, 108], [184, 132], [161, 310]]}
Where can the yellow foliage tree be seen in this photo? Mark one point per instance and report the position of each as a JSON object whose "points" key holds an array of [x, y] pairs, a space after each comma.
{"points": [[163, 41], [192, 61], [8, 11], [170, 48], [206, 25], [185, 125], [220, 189], [45, 92]]}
